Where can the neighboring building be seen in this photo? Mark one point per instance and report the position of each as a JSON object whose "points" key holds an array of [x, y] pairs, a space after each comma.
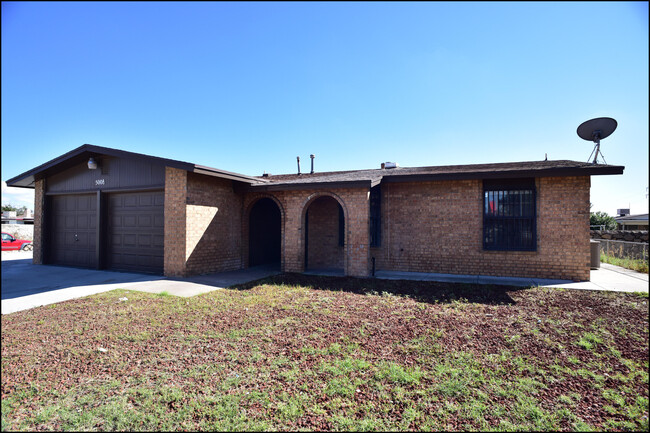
{"points": [[10, 217], [632, 222], [135, 212]]}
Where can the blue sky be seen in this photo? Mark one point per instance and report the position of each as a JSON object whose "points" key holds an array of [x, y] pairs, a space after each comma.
{"points": [[247, 87]]}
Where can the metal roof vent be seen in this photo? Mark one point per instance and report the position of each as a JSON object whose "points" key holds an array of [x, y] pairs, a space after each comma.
{"points": [[389, 165]]}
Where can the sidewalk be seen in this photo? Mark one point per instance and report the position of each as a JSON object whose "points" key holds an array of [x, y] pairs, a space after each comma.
{"points": [[608, 277], [619, 279]]}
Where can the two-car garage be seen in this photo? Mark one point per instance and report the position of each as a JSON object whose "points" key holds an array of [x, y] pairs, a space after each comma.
{"points": [[102, 208], [118, 231]]}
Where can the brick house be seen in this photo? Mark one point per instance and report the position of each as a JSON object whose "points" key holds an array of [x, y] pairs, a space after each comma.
{"points": [[105, 208]]}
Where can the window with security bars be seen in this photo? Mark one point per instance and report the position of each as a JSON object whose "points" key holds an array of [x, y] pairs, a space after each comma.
{"points": [[509, 215]]}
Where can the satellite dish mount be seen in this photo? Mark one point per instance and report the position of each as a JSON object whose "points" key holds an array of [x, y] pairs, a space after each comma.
{"points": [[595, 130]]}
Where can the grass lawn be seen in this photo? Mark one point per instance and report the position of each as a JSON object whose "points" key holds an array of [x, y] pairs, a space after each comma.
{"points": [[310, 353]]}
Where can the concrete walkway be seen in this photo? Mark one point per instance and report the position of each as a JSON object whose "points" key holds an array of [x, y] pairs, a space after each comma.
{"points": [[608, 277], [25, 285]]}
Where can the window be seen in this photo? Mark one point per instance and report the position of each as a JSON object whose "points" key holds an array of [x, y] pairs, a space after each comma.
{"points": [[509, 215], [375, 216]]}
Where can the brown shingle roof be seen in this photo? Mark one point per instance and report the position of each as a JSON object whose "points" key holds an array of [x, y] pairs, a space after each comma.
{"points": [[471, 171]]}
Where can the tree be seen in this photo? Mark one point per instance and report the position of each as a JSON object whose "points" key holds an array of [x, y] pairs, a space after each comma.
{"points": [[602, 219], [9, 208]]}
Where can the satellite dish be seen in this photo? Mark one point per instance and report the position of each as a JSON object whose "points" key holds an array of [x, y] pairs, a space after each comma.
{"points": [[595, 130]]}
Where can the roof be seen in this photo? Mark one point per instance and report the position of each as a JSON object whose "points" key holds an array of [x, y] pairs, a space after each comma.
{"points": [[632, 218], [27, 179], [333, 179], [372, 177]]}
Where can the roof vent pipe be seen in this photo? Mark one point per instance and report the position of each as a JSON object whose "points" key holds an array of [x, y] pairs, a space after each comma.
{"points": [[312, 156], [389, 165], [298, 159]]}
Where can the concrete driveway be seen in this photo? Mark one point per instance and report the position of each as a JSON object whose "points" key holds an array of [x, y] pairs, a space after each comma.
{"points": [[25, 285]]}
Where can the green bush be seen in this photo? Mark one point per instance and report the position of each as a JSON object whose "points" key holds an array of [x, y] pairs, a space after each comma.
{"points": [[602, 219]]}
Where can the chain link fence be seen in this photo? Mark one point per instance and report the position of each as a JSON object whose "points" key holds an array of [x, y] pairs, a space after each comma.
{"points": [[624, 249]]}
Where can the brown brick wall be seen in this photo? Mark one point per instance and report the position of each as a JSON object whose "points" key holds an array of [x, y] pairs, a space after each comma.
{"points": [[175, 218], [426, 227], [323, 250], [202, 216], [213, 219], [39, 208], [294, 204], [563, 226], [437, 227]]}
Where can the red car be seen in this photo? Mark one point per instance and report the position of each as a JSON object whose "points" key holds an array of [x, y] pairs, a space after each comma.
{"points": [[11, 243]]}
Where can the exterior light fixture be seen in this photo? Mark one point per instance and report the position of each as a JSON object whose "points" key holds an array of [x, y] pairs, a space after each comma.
{"points": [[92, 164]]}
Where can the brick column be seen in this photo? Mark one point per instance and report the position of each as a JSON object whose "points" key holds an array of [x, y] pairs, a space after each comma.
{"points": [[294, 253], [39, 209], [357, 232], [356, 205], [175, 222], [563, 227]]}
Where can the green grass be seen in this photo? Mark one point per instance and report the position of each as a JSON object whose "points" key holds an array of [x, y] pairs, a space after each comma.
{"points": [[589, 341], [633, 264], [307, 357], [395, 373]]}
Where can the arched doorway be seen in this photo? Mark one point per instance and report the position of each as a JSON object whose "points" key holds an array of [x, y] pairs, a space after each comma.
{"points": [[325, 235], [264, 235]]}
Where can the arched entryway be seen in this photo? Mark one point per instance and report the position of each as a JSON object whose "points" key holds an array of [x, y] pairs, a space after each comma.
{"points": [[265, 234], [325, 236]]}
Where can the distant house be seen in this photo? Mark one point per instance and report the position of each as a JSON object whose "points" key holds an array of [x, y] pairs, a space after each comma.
{"points": [[10, 217], [104, 208], [632, 222]]}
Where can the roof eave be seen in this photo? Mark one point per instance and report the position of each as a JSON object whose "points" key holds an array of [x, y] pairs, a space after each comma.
{"points": [[366, 183], [548, 172], [209, 171], [28, 178]]}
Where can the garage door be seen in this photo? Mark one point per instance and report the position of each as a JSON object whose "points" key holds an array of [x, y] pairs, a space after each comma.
{"points": [[73, 235], [136, 232]]}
